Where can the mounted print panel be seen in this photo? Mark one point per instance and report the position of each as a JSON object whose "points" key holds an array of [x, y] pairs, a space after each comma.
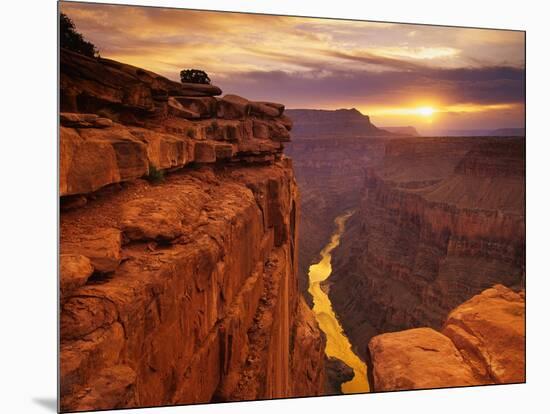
{"points": [[258, 206]]}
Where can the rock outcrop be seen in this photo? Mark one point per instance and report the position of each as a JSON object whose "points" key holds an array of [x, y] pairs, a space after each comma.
{"points": [[178, 245], [482, 342], [440, 220]]}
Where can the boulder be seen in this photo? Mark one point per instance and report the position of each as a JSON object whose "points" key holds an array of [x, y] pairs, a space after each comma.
{"points": [[198, 89], [417, 359], [205, 151], [74, 271], [261, 109], [278, 132], [489, 332], [165, 151], [259, 146], [149, 219], [279, 107], [285, 121], [224, 151], [84, 166], [233, 107], [204, 106], [102, 248], [260, 129], [92, 158], [177, 109], [103, 123]]}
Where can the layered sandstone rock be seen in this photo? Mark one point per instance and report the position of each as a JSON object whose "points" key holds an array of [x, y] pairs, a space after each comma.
{"points": [[180, 289], [119, 121], [482, 342], [440, 220]]}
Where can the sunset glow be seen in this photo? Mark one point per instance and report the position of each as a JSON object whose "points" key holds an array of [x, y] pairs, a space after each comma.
{"points": [[399, 74], [425, 111]]}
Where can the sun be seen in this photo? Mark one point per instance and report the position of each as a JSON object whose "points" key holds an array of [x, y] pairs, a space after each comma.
{"points": [[425, 111]]}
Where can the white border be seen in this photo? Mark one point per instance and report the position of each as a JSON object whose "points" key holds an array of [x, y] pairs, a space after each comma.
{"points": [[28, 216]]}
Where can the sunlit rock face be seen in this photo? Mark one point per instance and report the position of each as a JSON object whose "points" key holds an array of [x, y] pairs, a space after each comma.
{"points": [[330, 151], [440, 220], [482, 342], [178, 243]]}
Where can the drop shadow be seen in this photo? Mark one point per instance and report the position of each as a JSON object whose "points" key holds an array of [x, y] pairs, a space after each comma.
{"points": [[48, 403]]}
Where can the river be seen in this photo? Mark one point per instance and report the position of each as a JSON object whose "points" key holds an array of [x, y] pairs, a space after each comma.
{"points": [[338, 344]]}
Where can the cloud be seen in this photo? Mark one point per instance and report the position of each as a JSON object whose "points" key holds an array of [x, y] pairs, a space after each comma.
{"points": [[325, 87], [315, 63]]}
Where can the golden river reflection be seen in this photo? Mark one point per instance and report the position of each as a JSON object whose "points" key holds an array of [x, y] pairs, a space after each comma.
{"points": [[338, 344]]}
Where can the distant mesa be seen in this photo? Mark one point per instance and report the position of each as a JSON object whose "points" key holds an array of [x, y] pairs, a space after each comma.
{"points": [[323, 123]]}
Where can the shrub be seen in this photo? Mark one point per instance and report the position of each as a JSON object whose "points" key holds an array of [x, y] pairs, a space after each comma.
{"points": [[70, 39], [155, 175], [194, 76]]}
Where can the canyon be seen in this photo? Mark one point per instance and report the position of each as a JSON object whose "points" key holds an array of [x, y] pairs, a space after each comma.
{"points": [[330, 151], [178, 245], [439, 221], [199, 257]]}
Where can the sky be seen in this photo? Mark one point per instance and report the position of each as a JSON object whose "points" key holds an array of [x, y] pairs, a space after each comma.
{"points": [[431, 77]]}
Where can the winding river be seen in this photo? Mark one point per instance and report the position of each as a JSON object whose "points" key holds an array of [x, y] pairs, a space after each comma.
{"points": [[338, 344]]}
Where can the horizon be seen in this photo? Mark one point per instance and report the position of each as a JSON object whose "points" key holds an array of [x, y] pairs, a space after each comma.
{"points": [[432, 78], [409, 126]]}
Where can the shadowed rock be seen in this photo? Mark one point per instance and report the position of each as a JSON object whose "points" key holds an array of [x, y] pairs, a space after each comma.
{"points": [[102, 248], [337, 372], [74, 271]]}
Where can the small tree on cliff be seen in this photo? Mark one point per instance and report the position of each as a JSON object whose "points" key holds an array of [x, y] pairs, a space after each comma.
{"points": [[70, 39], [194, 76]]}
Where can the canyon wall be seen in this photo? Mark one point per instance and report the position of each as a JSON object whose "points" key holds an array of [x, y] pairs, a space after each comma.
{"points": [[440, 220], [482, 342], [178, 242], [331, 151]]}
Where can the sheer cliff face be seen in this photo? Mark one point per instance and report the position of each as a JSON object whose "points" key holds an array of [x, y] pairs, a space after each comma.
{"points": [[440, 220], [180, 288], [331, 151]]}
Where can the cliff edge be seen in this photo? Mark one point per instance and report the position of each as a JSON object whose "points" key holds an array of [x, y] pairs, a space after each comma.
{"points": [[178, 245]]}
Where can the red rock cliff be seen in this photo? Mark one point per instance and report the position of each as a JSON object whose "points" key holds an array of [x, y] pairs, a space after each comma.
{"points": [[179, 288], [440, 220]]}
